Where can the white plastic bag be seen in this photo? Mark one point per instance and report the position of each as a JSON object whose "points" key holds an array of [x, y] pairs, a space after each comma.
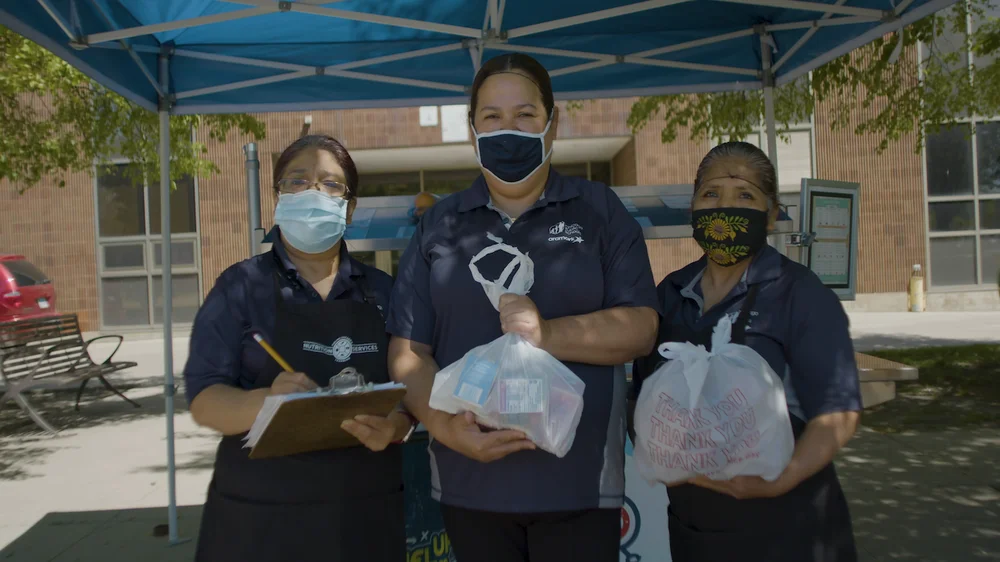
{"points": [[509, 383], [720, 414]]}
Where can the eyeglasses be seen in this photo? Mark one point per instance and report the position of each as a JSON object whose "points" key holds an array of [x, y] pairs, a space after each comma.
{"points": [[330, 187]]}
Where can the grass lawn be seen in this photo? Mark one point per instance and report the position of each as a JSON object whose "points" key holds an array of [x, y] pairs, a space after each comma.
{"points": [[958, 387]]}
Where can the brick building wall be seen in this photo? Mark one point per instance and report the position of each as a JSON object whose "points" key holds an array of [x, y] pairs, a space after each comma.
{"points": [[645, 160], [674, 163], [623, 166], [891, 212], [891, 237], [55, 228], [223, 196]]}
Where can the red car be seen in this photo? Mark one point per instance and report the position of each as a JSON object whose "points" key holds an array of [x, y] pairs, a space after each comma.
{"points": [[25, 291]]}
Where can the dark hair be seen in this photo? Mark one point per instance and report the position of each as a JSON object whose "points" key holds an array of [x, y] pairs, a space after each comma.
{"points": [[754, 158], [319, 142], [514, 62]]}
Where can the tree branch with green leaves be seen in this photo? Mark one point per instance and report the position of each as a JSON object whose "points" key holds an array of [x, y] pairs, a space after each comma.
{"points": [[54, 120], [901, 93]]}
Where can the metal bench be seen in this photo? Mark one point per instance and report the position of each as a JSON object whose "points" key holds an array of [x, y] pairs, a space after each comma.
{"points": [[50, 353], [879, 377]]}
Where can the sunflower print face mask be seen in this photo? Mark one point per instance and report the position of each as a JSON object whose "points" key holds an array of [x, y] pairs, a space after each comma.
{"points": [[729, 235]]}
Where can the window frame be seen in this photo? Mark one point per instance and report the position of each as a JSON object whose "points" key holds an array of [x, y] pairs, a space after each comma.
{"points": [[148, 240], [973, 121]]}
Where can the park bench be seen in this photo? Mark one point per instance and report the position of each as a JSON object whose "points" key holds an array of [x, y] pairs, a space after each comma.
{"points": [[879, 377], [50, 353]]}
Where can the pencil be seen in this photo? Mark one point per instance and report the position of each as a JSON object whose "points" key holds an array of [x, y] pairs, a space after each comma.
{"points": [[274, 354]]}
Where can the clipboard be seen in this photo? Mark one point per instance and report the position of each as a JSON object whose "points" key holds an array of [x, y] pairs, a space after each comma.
{"points": [[306, 423]]}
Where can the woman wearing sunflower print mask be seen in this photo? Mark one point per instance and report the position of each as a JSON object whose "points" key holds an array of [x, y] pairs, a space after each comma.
{"points": [[781, 310]]}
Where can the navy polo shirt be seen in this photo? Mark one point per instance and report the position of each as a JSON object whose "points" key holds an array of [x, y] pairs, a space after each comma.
{"points": [[222, 348], [797, 325], [589, 255]]}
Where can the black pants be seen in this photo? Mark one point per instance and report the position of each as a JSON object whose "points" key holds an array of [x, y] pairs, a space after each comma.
{"points": [[592, 535]]}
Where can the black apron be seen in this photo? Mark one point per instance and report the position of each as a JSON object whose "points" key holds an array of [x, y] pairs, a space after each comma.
{"points": [[343, 505], [811, 523]]}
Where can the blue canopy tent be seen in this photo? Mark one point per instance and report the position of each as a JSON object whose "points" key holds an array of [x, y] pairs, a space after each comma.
{"points": [[218, 56]]}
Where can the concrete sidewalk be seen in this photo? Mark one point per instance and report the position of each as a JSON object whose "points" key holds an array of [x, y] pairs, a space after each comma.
{"points": [[891, 330], [97, 490], [930, 497], [108, 456]]}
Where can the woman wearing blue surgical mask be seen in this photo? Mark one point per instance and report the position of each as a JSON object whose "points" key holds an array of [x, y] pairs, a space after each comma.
{"points": [[340, 505], [592, 306]]}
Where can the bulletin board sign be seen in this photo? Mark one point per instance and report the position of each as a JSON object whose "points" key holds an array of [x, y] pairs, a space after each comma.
{"points": [[830, 218]]}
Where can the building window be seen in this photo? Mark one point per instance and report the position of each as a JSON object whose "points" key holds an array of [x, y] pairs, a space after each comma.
{"points": [[130, 250], [577, 170], [389, 184], [963, 204], [445, 182], [795, 156], [593, 171], [963, 184], [600, 172], [120, 203], [368, 258]]}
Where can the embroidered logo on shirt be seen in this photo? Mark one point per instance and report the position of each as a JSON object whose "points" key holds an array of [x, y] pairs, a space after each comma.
{"points": [[562, 232], [341, 350]]}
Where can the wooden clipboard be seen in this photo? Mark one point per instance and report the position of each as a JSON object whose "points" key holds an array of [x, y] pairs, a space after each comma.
{"points": [[313, 424]]}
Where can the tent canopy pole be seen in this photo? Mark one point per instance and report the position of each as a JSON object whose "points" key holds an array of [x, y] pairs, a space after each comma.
{"points": [[165, 246], [768, 79], [770, 128]]}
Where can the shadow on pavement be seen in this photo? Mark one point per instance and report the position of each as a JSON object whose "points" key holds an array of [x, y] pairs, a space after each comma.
{"points": [[106, 536], [927, 497], [875, 342], [203, 460], [22, 442]]}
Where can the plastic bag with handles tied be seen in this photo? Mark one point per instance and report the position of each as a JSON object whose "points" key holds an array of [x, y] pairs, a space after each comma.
{"points": [[720, 414], [509, 383]]}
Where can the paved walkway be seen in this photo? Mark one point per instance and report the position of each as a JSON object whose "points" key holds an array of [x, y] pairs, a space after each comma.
{"points": [[97, 490], [887, 330], [924, 497]]}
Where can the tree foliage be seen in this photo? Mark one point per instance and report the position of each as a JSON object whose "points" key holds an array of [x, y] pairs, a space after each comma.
{"points": [[900, 93], [54, 120]]}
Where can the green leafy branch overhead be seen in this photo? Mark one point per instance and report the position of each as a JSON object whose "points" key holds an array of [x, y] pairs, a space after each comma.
{"points": [[54, 121], [899, 93]]}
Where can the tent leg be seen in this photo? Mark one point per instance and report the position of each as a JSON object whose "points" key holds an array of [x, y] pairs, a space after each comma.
{"points": [[168, 341], [253, 197], [770, 127]]}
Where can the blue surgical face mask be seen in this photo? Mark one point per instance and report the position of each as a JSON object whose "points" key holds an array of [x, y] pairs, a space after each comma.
{"points": [[512, 156], [311, 221]]}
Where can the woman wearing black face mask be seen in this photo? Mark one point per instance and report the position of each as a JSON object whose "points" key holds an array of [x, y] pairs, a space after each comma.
{"points": [[782, 311], [592, 305]]}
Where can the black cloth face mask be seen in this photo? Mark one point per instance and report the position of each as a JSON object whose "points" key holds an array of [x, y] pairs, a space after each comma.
{"points": [[512, 156], [729, 235]]}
